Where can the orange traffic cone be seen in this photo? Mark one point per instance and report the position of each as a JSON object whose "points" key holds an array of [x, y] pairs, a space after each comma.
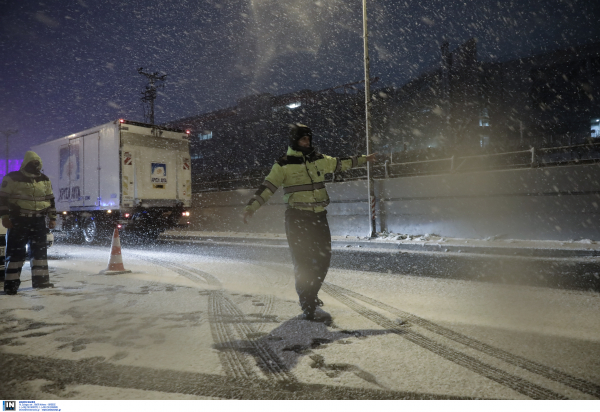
{"points": [[115, 263]]}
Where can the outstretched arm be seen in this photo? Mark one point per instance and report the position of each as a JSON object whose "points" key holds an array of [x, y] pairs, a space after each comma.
{"points": [[341, 164], [264, 191]]}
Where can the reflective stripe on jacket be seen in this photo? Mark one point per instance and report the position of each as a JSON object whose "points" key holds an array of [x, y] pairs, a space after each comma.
{"points": [[303, 179]]}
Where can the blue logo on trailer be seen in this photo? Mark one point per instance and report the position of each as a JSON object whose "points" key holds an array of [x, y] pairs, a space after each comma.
{"points": [[69, 161], [159, 172]]}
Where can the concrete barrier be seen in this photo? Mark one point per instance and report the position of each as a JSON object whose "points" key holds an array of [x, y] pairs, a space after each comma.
{"points": [[551, 203]]}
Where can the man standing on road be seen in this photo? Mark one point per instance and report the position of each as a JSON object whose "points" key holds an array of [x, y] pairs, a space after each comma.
{"points": [[26, 199], [302, 173]]}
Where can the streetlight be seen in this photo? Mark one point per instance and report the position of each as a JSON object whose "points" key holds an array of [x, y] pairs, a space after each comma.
{"points": [[7, 134], [370, 183]]}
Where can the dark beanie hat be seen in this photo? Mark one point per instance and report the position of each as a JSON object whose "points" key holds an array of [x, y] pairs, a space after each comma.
{"points": [[297, 131]]}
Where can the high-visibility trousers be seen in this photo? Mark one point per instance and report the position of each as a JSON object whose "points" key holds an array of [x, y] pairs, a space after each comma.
{"points": [[26, 231]]}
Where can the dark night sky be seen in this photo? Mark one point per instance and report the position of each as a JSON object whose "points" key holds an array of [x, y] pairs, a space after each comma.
{"points": [[72, 64]]}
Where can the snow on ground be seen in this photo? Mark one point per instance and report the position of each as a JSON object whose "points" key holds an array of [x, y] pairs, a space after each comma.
{"points": [[164, 318], [492, 241]]}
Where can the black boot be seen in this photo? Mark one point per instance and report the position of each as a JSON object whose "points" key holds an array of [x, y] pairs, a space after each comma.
{"points": [[308, 314], [41, 282], [11, 286]]}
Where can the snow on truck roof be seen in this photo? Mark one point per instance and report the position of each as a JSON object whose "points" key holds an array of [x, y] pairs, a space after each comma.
{"points": [[114, 123], [168, 129]]}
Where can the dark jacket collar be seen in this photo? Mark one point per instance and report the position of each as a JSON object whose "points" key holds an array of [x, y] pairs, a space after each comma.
{"points": [[311, 157]]}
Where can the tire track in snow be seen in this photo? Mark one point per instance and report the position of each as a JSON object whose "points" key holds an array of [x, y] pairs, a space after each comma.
{"points": [[520, 385], [19, 370], [546, 371], [233, 361], [269, 362], [268, 300], [266, 311], [235, 364], [232, 332]]}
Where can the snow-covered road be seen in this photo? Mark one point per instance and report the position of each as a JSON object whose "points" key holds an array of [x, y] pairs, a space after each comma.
{"points": [[196, 325]]}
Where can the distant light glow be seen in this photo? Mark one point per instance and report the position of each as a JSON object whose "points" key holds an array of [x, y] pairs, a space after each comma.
{"points": [[294, 105], [13, 165], [109, 211], [595, 128]]}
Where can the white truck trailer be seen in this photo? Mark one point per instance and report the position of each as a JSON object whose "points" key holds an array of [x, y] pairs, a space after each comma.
{"points": [[124, 174]]}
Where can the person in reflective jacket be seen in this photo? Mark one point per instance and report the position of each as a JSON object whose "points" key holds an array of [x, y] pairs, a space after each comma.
{"points": [[26, 199], [301, 172]]}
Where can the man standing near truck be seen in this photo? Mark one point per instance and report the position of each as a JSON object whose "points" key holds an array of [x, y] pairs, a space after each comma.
{"points": [[302, 173], [26, 199]]}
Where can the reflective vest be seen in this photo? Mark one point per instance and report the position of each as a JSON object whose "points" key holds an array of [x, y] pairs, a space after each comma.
{"points": [[303, 179]]}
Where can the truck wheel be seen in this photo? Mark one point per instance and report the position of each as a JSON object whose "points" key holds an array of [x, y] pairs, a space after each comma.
{"points": [[90, 231]]}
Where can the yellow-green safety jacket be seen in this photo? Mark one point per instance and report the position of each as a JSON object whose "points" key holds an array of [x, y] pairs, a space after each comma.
{"points": [[26, 194], [303, 179]]}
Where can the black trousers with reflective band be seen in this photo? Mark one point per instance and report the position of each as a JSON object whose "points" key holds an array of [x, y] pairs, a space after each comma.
{"points": [[32, 231], [310, 245]]}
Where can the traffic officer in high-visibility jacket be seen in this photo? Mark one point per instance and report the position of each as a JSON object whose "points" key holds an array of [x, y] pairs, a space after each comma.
{"points": [[301, 172], [26, 200]]}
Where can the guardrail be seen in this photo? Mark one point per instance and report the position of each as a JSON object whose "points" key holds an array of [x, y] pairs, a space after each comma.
{"points": [[451, 164], [522, 158]]}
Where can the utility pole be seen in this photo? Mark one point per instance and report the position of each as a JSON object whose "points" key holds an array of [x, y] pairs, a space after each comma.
{"points": [[368, 103], [149, 95], [7, 134]]}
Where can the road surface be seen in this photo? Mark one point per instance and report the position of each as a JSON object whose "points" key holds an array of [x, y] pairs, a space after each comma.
{"points": [[201, 322]]}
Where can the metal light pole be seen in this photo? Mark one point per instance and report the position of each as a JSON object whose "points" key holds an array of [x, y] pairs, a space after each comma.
{"points": [[7, 134], [370, 183]]}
